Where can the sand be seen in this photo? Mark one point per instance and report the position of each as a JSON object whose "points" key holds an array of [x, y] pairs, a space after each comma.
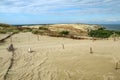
{"points": [[49, 61]]}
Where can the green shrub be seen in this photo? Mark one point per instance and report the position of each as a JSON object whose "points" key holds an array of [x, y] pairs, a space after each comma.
{"points": [[43, 28], [102, 28], [64, 33], [35, 31], [100, 33], [116, 32]]}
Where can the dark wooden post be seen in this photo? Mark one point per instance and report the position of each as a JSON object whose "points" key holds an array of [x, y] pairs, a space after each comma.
{"points": [[114, 36], [93, 38], [63, 46], [11, 38], [116, 65], [91, 51], [114, 39], [38, 37]]}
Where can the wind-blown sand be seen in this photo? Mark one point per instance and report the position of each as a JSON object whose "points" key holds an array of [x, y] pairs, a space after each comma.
{"points": [[49, 61]]}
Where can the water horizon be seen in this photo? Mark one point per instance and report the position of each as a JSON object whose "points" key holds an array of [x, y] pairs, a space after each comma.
{"points": [[111, 26]]}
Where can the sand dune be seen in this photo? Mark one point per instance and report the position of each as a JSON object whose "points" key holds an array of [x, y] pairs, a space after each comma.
{"points": [[49, 61]]}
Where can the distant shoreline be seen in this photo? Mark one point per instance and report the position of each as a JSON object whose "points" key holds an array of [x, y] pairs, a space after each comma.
{"points": [[115, 27]]}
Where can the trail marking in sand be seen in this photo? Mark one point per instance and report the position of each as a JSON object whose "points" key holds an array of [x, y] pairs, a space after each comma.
{"points": [[10, 49]]}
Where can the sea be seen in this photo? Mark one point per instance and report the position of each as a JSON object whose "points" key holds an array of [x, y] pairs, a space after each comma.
{"points": [[111, 26]]}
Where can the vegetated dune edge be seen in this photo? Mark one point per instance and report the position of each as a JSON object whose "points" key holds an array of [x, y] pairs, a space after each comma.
{"points": [[49, 61], [74, 31]]}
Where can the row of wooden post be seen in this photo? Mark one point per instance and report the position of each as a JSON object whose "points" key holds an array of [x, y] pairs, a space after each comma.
{"points": [[63, 47]]}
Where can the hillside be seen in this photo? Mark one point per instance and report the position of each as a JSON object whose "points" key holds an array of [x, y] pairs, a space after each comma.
{"points": [[74, 29]]}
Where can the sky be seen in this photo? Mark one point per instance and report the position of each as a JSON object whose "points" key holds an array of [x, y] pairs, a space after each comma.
{"points": [[59, 11]]}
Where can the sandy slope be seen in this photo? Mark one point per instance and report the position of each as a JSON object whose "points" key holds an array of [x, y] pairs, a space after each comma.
{"points": [[74, 29], [50, 61]]}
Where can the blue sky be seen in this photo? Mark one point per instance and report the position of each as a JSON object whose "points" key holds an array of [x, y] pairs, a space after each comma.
{"points": [[59, 11]]}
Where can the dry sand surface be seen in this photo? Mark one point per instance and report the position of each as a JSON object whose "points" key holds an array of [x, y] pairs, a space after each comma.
{"points": [[49, 61]]}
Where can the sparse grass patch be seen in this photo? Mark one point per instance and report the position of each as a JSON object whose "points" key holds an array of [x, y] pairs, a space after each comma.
{"points": [[63, 33], [4, 25], [43, 28], [26, 30], [2, 31], [34, 31], [15, 31]]}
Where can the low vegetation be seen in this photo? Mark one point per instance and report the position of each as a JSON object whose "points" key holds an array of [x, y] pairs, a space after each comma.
{"points": [[43, 30], [35, 31], [101, 33], [5, 28], [2, 31], [25, 29], [64, 32], [4, 25]]}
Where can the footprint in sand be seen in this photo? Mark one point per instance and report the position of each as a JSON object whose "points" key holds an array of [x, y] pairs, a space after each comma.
{"points": [[108, 77], [27, 59]]}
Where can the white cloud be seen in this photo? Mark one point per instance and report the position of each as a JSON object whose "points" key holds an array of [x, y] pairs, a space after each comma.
{"points": [[113, 20], [53, 6]]}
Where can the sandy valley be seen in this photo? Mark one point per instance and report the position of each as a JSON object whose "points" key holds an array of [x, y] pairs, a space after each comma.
{"points": [[59, 59]]}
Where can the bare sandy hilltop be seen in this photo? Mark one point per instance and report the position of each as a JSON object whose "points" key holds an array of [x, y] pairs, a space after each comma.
{"points": [[58, 58]]}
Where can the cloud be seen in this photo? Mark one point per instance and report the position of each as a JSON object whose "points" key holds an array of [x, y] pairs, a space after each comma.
{"points": [[63, 7], [113, 20]]}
